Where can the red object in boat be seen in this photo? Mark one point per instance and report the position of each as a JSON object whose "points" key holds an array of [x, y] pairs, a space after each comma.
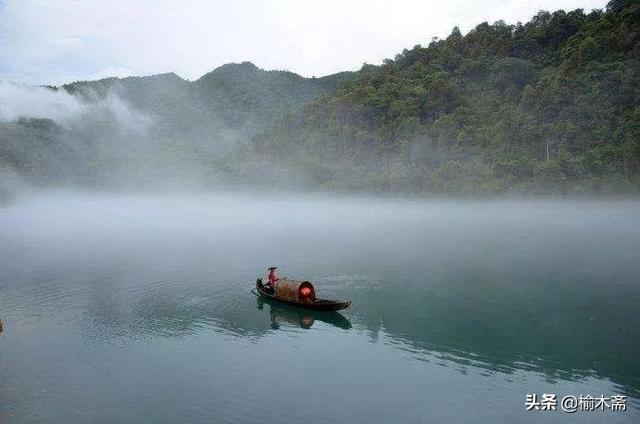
{"points": [[272, 277], [305, 292]]}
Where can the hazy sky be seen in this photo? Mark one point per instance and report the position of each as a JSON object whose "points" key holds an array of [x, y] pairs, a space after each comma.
{"points": [[55, 41]]}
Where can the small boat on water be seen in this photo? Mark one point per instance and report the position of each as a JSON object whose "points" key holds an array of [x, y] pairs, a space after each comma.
{"points": [[299, 293], [288, 314]]}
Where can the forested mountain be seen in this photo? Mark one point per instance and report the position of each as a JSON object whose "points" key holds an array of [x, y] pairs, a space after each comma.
{"points": [[237, 97], [550, 106], [145, 132]]}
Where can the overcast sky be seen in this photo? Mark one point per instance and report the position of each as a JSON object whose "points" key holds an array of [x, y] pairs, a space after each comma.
{"points": [[57, 41]]}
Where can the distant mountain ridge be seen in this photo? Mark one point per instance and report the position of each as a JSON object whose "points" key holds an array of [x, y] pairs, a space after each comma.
{"points": [[192, 126], [239, 93]]}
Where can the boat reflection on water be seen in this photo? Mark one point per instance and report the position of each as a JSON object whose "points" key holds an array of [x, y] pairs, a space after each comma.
{"points": [[281, 313]]}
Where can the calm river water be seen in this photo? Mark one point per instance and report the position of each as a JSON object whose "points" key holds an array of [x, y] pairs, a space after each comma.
{"points": [[138, 309]]}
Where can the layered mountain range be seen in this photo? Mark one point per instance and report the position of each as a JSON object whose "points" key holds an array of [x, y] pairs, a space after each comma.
{"points": [[551, 106]]}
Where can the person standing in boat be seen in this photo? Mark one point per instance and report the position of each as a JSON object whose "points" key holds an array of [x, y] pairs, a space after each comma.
{"points": [[272, 278]]}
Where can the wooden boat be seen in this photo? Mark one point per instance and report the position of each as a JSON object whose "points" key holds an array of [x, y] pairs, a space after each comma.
{"points": [[299, 293]]}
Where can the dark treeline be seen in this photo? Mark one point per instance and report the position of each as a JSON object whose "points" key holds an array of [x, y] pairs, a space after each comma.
{"points": [[551, 106]]}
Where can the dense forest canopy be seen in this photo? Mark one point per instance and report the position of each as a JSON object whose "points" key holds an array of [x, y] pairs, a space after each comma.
{"points": [[551, 106]]}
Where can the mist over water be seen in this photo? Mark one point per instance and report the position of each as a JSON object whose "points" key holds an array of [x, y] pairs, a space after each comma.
{"points": [[124, 307], [136, 214]]}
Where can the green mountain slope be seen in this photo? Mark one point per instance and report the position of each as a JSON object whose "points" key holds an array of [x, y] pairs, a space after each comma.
{"points": [[550, 106]]}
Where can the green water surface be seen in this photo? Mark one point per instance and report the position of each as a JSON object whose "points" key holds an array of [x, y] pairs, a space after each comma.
{"points": [[139, 309]]}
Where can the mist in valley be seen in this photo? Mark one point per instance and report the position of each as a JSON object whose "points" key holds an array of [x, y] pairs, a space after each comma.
{"points": [[148, 134], [53, 139]]}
